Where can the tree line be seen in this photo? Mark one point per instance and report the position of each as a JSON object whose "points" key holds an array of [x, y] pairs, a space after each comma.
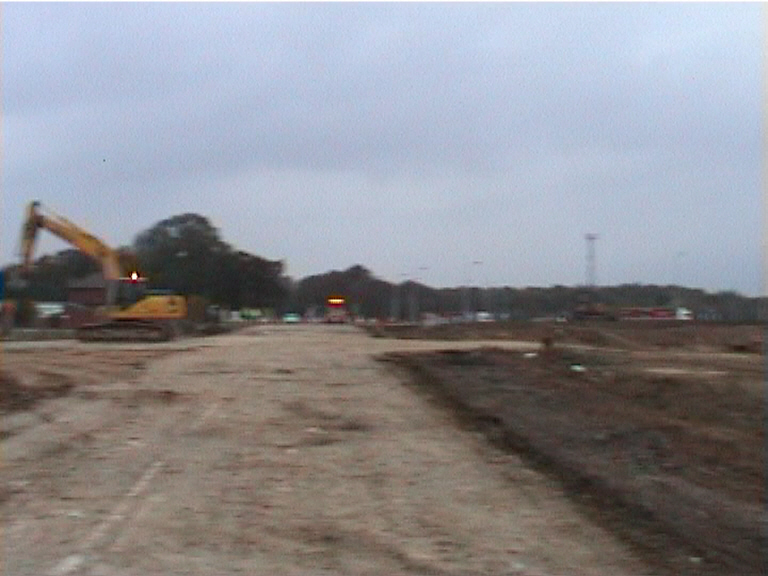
{"points": [[185, 254], [371, 297]]}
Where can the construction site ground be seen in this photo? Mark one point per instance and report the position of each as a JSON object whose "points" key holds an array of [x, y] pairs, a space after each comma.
{"points": [[656, 428], [312, 449]]}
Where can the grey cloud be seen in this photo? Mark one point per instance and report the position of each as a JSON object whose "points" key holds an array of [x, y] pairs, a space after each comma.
{"points": [[435, 121]]}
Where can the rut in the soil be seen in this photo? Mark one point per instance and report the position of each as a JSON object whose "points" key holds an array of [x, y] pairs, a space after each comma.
{"points": [[16, 396]]}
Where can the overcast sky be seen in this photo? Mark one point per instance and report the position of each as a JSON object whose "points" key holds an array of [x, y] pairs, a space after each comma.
{"points": [[449, 143]]}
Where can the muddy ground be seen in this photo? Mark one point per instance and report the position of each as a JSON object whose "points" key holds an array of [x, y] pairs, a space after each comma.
{"points": [[656, 430]]}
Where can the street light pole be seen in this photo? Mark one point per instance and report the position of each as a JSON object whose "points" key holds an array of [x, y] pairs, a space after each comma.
{"points": [[397, 298], [415, 295], [476, 263]]}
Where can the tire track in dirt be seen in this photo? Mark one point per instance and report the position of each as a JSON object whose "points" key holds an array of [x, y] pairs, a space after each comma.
{"points": [[75, 562]]}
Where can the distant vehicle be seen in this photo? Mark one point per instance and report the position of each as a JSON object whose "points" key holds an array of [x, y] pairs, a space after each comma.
{"points": [[684, 314], [593, 311], [251, 314], [291, 318], [655, 313], [336, 310]]}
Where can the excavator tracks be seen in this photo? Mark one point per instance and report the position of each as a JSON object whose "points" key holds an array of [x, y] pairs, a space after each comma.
{"points": [[124, 331]]}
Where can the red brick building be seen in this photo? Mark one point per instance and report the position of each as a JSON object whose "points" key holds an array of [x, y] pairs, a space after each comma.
{"points": [[89, 291]]}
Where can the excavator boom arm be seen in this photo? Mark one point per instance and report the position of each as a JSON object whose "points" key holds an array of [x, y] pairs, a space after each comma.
{"points": [[69, 232]]}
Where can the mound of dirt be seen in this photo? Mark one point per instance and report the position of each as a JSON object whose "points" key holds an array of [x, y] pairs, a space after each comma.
{"points": [[625, 335], [672, 464]]}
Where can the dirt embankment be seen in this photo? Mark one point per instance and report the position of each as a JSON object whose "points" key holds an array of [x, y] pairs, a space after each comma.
{"points": [[656, 335], [671, 460]]}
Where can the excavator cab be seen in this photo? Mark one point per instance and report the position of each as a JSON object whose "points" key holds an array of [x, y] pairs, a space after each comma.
{"points": [[130, 290]]}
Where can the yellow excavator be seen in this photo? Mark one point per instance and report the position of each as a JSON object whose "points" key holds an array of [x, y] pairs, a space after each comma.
{"points": [[131, 313]]}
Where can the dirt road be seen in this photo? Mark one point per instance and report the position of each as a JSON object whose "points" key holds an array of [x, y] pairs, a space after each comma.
{"points": [[276, 450]]}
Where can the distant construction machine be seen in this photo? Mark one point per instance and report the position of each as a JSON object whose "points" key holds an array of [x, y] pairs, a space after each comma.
{"points": [[130, 313]]}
